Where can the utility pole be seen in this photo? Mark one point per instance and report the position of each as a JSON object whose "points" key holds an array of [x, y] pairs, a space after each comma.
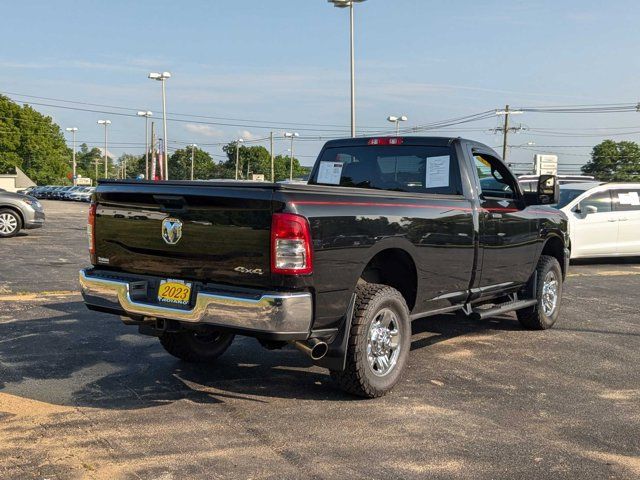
{"points": [[153, 152], [162, 157], [505, 132], [238, 142], [506, 128], [291, 135], [106, 124], [193, 149], [248, 162], [272, 160], [95, 163], [73, 130], [163, 77], [146, 116]]}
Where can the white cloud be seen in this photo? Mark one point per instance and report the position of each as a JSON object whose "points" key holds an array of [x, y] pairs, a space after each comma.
{"points": [[204, 130], [247, 135]]}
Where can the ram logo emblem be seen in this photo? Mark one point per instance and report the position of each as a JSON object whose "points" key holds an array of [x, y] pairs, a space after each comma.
{"points": [[171, 230]]}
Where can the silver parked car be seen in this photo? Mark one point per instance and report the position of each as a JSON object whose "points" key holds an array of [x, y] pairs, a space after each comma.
{"points": [[19, 211], [82, 195]]}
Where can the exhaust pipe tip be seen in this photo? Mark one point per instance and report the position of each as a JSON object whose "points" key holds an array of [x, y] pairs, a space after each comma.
{"points": [[313, 348], [319, 350]]}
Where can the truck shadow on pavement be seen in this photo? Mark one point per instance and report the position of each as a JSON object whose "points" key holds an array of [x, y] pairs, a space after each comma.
{"points": [[61, 353]]}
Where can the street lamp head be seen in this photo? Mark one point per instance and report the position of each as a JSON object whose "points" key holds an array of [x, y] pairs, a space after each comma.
{"points": [[193, 145], [291, 135], [159, 76], [403, 118], [344, 3], [145, 114], [71, 129], [104, 122], [392, 118], [240, 140]]}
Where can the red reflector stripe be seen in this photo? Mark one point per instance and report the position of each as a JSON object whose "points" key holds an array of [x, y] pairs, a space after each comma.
{"points": [[92, 228]]}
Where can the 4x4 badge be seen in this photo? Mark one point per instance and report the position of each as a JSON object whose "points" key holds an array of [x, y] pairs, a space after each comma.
{"points": [[171, 230]]}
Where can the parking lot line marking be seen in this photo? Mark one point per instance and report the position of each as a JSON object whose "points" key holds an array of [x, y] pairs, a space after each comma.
{"points": [[605, 273], [28, 296]]}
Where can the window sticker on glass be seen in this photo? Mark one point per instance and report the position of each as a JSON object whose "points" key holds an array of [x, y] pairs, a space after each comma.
{"points": [[437, 172], [330, 172], [630, 198]]}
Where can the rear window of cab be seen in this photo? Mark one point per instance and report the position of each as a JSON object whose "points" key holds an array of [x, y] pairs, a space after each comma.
{"points": [[401, 168]]}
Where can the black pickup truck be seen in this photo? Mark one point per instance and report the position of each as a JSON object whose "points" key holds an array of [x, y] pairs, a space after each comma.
{"points": [[386, 231]]}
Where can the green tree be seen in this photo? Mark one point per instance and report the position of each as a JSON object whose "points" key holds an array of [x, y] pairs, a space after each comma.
{"points": [[86, 160], [204, 167], [258, 159], [33, 142], [614, 161], [134, 165]]}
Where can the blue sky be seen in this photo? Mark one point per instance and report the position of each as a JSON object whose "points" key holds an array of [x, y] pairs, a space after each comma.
{"points": [[287, 61]]}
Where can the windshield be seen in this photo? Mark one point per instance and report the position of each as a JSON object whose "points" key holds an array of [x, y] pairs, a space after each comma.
{"points": [[567, 196]]}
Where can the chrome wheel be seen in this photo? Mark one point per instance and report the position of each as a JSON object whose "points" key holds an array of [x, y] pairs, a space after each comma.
{"points": [[550, 293], [8, 223], [383, 343]]}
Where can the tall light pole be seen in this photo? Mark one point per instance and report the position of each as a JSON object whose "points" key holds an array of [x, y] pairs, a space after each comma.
{"points": [[161, 77], [106, 123], [238, 142], [291, 135], [146, 116], [193, 151], [397, 119], [73, 130], [349, 4]]}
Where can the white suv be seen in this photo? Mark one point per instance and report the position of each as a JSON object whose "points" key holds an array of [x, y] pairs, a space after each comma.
{"points": [[604, 218]]}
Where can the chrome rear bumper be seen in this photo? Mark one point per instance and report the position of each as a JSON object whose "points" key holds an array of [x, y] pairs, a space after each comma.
{"points": [[279, 313]]}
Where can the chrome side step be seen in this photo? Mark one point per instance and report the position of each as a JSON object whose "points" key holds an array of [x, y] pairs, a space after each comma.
{"points": [[480, 313]]}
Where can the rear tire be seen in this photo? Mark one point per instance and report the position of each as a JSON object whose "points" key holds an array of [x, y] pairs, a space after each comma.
{"points": [[379, 342], [10, 223], [196, 347], [549, 295]]}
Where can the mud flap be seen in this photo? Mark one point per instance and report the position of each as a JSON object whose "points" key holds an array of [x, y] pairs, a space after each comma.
{"points": [[336, 357]]}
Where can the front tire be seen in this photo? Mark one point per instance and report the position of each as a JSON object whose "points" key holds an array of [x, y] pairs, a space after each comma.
{"points": [[549, 294], [196, 347], [379, 342], [10, 223]]}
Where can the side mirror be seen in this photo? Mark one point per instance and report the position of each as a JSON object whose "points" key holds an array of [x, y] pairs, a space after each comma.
{"points": [[548, 190], [590, 209]]}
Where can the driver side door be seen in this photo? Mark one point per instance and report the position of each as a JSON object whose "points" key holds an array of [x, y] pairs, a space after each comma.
{"points": [[507, 233]]}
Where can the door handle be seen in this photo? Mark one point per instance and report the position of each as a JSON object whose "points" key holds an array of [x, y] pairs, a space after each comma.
{"points": [[495, 215], [612, 220]]}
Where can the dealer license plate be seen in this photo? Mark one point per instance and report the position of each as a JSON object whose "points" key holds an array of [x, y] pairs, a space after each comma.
{"points": [[174, 291]]}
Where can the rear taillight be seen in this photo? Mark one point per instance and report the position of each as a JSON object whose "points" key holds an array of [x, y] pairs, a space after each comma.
{"points": [[91, 229], [385, 141], [290, 245]]}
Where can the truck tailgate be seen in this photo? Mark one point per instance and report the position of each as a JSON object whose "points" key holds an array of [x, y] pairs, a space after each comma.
{"points": [[225, 231]]}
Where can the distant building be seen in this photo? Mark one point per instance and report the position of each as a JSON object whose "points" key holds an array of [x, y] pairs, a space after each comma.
{"points": [[13, 182]]}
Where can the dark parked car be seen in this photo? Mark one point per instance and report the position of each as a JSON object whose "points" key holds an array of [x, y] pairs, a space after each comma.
{"points": [[58, 194], [387, 230], [19, 211], [49, 193]]}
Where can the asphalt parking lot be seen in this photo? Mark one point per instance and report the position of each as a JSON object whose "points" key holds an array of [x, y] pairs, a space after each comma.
{"points": [[83, 396]]}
